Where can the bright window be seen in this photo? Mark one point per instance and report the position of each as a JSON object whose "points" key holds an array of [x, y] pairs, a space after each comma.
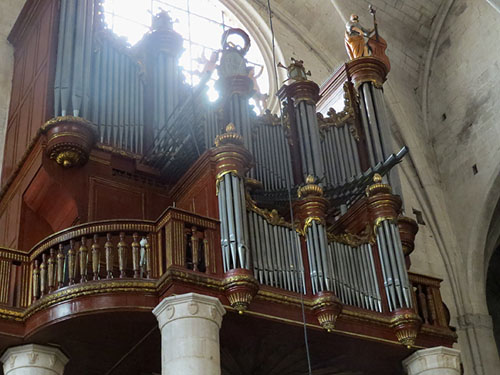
{"points": [[200, 23]]}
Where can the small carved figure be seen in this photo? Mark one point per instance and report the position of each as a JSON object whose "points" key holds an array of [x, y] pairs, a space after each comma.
{"points": [[209, 64], [296, 70], [258, 96], [355, 38], [233, 62], [161, 21]]}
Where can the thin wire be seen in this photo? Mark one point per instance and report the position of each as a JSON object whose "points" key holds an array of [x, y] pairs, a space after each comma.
{"points": [[289, 188], [132, 349]]}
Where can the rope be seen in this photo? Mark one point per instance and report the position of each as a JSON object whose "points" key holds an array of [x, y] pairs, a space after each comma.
{"points": [[289, 188]]}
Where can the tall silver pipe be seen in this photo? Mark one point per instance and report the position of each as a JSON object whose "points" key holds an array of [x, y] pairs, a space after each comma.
{"points": [[270, 255], [68, 56], [336, 270], [304, 139], [277, 259], [264, 251], [366, 129], [386, 270], [223, 225], [392, 257], [343, 270], [363, 272], [252, 244], [352, 275], [357, 162], [230, 220], [340, 155], [312, 263], [405, 283], [323, 249], [286, 260], [374, 277], [240, 240], [315, 139], [59, 60], [256, 247], [372, 118], [366, 274], [313, 232], [350, 151], [95, 91]]}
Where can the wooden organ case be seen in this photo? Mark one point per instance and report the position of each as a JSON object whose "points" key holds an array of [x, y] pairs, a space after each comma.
{"points": [[122, 185]]}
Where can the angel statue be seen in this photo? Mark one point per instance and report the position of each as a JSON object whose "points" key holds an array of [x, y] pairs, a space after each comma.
{"points": [[260, 98]]}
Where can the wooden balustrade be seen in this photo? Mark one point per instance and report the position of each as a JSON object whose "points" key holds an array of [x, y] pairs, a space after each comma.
{"points": [[427, 300], [125, 249], [125, 257]]}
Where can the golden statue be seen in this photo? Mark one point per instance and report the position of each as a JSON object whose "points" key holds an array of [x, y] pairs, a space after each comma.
{"points": [[355, 38], [357, 46]]}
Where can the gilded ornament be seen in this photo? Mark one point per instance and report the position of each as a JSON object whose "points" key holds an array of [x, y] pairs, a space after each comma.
{"points": [[296, 70]]}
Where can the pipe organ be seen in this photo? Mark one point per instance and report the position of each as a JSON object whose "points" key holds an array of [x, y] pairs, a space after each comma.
{"points": [[139, 103], [158, 188]]}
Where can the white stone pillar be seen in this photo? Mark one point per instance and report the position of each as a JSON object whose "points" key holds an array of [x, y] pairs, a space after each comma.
{"points": [[33, 359], [433, 361], [189, 325]]}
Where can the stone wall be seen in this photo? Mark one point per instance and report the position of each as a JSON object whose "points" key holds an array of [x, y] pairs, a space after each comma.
{"points": [[465, 132]]}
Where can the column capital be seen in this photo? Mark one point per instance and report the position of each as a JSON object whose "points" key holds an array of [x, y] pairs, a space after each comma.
{"points": [[47, 359], [189, 305], [439, 360]]}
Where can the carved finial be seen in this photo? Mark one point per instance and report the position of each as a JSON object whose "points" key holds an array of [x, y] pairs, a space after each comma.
{"points": [[378, 187], [310, 188], [230, 128], [229, 137], [310, 179]]}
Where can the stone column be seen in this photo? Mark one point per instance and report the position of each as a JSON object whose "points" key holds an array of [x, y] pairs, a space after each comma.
{"points": [[433, 361], [33, 359], [189, 325]]}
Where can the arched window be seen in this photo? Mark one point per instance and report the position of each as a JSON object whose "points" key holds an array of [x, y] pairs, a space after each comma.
{"points": [[200, 23]]}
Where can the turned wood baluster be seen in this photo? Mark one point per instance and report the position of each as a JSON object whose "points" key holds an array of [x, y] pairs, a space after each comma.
{"points": [[423, 303], [43, 276], [60, 267], [414, 298], [135, 255], [36, 281], [147, 248], [71, 262], [430, 303], [83, 253], [206, 249], [108, 248], [51, 270], [96, 257], [122, 255], [194, 248]]}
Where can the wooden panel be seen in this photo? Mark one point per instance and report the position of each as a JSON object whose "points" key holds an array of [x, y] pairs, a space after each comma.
{"points": [[113, 200], [12, 227], [34, 40]]}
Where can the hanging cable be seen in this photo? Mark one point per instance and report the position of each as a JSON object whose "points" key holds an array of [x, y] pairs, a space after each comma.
{"points": [[288, 184]]}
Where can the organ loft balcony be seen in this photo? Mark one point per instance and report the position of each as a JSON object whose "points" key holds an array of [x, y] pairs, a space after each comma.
{"points": [[141, 189]]}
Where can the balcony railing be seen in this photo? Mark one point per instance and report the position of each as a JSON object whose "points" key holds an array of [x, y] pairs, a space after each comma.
{"points": [[129, 250]]}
